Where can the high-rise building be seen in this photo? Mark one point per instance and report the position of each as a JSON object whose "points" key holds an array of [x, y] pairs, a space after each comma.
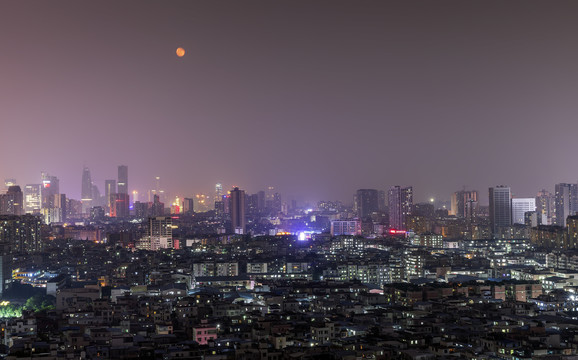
{"points": [[188, 206], [22, 233], [122, 179], [33, 198], [6, 260], [73, 208], [500, 208], [120, 206], [400, 203], [277, 204], [86, 191], [520, 206], [218, 192], [367, 202], [261, 201], [57, 211], [202, 202], [97, 200], [252, 204], [572, 232], [158, 207], [425, 210], [382, 200], [142, 209], [158, 234], [11, 203], [545, 207], [566, 200], [237, 211], [464, 204], [109, 189], [50, 187], [269, 194], [8, 183]]}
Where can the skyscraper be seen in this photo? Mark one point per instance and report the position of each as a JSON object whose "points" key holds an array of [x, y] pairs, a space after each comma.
{"points": [[122, 179], [545, 206], [237, 211], [86, 191], [50, 187], [109, 189], [520, 206], [33, 198], [400, 202], [188, 206], [120, 206], [218, 192], [11, 203], [566, 200], [500, 208], [464, 203], [97, 200], [367, 202]]}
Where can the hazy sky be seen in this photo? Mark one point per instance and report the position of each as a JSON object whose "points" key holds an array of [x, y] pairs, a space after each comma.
{"points": [[317, 98]]}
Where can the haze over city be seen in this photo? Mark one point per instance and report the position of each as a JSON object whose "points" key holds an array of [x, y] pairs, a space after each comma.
{"points": [[316, 98], [289, 180]]}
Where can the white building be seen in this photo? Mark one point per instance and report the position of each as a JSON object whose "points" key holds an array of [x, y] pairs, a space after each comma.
{"points": [[520, 206]]}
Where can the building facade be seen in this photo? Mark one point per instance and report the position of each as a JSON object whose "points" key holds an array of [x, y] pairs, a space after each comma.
{"points": [[400, 201], [500, 208]]}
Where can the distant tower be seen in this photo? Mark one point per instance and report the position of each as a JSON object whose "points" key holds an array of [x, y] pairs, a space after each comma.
{"points": [[50, 188], [218, 192], [545, 206], [400, 201], [11, 203], [367, 201], [119, 206], [33, 198], [500, 208], [109, 189], [464, 203], [8, 183], [269, 194], [237, 210], [122, 179], [86, 191], [188, 206], [566, 199], [96, 199], [157, 184]]}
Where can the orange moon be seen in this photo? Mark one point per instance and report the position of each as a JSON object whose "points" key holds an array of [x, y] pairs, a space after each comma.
{"points": [[180, 52]]}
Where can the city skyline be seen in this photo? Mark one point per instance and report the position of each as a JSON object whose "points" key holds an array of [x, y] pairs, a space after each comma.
{"points": [[320, 179], [209, 190], [436, 96]]}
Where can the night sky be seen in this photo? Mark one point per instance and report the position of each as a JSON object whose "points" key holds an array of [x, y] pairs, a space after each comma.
{"points": [[316, 98]]}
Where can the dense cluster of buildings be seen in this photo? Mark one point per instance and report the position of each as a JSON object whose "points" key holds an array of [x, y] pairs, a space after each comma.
{"points": [[257, 278]]}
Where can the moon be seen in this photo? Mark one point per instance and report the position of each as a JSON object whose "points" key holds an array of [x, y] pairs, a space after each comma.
{"points": [[180, 52]]}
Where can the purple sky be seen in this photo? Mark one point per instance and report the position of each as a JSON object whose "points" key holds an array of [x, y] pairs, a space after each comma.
{"points": [[317, 98]]}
